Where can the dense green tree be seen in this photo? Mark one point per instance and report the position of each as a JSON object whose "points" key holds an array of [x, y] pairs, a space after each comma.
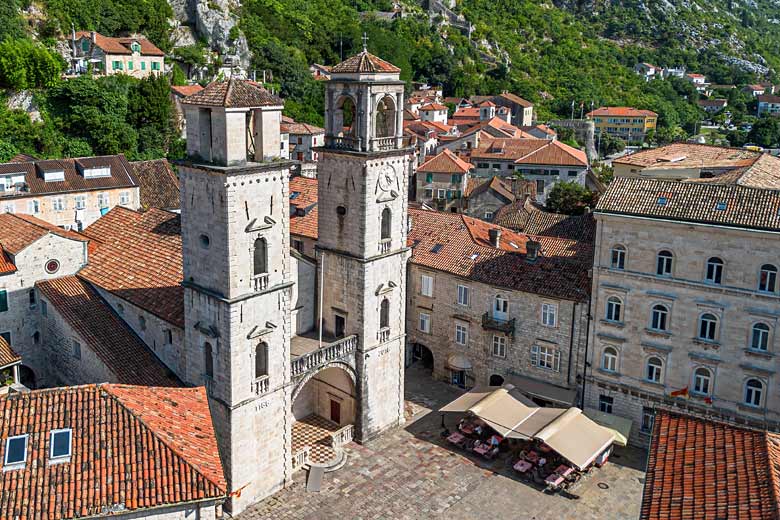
{"points": [[569, 198], [765, 132], [7, 150], [24, 64]]}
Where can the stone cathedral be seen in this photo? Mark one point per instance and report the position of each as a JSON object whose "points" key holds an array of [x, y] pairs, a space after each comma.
{"points": [[283, 341]]}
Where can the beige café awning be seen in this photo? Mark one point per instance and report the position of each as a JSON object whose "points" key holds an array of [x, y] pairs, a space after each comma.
{"points": [[576, 437], [619, 425], [496, 407], [459, 362], [543, 390]]}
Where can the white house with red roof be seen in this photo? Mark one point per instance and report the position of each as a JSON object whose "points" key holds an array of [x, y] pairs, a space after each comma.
{"points": [[105, 55], [433, 112]]}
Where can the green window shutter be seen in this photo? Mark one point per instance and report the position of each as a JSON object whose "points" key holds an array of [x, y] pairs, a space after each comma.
{"points": [[455, 179], [3, 301], [155, 65], [129, 65], [143, 65], [429, 177], [458, 194], [85, 45]]}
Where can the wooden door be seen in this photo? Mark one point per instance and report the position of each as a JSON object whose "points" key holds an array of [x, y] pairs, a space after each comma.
{"points": [[335, 411]]}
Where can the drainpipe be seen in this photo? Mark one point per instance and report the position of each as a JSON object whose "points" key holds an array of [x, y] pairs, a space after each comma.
{"points": [[571, 343], [585, 362]]}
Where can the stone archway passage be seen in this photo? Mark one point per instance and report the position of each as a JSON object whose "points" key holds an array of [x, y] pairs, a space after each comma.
{"points": [[496, 380]]}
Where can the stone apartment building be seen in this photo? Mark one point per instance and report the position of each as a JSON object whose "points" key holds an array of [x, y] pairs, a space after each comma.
{"points": [[442, 181], [488, 306], [304, 140], [105, 55], [685, 302], [627, 123], [485, 197]]}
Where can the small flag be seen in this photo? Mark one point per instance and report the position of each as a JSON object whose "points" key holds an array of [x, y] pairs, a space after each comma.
{"points": [[708, 400], [683, 392]]}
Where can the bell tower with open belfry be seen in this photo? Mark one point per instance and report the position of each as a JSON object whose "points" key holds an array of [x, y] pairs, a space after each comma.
{"points": [[361, 250]]}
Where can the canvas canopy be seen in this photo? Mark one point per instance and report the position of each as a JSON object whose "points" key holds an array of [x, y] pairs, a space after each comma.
{"points": [[567, 431], [620, 425]]}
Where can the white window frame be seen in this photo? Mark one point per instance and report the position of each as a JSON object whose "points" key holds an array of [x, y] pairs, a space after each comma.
{"points": [[461, 333], [715, 327], [124, 198], [614, 311], [426, 282], [765, 333], [609, 361], [550, 310], [464, 295], [17, 464], [751, 392], [717, 270], [648, 420], [710, 380], [80, 202], [546, 358], [65, 457], [607, 404], [657, 369], [33, 207], [104, 200], [668, 262], [770, 274], [619, 262], [58, 204], [424, 323], [498, 348], [665, 311]]}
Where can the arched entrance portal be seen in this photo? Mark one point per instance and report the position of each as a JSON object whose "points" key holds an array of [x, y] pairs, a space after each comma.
{"points": [[27, 377], [324, 409], [424, 355], [496, 380]]}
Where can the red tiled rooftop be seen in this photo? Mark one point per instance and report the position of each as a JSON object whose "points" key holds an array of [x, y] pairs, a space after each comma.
{"points": [[303, 207], [7, 355], [531, 151], [158, 185], [186, 90], [121, 45], [432, 106], [234, 93], [364, 62], [621, 112], [445, 162], [18, 231], [133, 449], [699, 469]]}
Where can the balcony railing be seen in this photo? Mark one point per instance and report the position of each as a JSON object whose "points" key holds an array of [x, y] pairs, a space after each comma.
{"points": [[383, 143], [384, 245], [333, 352], [342, 143], [260, 386], [491, 323], [260, 282], [301, 458], [343, 436], [383, 334]]}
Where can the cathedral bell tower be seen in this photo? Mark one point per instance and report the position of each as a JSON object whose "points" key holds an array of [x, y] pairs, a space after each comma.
{"points": [[238, 280], [362, 250]]}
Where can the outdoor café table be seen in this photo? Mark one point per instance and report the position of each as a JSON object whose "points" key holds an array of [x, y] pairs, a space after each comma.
{"points": [[467, 428], [482, 449], [554, 479], [522, 466], [455, 438], [564, 470], [532, 456]]}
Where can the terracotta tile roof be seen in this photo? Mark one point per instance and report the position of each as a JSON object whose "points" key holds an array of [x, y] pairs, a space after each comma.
{"points": [[699, 469], [707, 203], [466, 114], [445, 162], [112, 45], [432, 106], [487, 103], [234, 93], [303, 207], [621, 112], [18, 231], [759, 88], [525, 216], [473, 183], [7, 355], [123, 456], [22, 157], [186, 90], [114, 342], [74, 180], [158, 185], [531, 151], [766, 98], [516, 99], [694, 75], [6, 264], [686, 155], [139, 259], [301, 128], [713, 102], [362, 63], [494, 184], [460, 245]]}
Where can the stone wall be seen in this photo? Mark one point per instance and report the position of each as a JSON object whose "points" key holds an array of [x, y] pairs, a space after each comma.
{"points": [[194, 511]]}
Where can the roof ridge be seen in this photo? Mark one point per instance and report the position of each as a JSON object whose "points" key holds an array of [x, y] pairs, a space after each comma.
{"points": [[154, 433]]}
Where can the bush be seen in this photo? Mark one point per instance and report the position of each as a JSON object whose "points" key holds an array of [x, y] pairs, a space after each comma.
{"points": [[7, 151], [24, 65], [569, 198]]}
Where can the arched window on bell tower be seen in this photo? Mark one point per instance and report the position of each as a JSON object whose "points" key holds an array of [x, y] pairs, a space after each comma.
{"points": [[260, 257], [345, 117], [261, 360], [208, 360], [386, 225], [384, 314], [385, 118]]}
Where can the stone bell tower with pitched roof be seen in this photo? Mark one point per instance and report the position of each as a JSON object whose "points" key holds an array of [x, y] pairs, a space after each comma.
{"points": [[362, 250], [238, 280]]}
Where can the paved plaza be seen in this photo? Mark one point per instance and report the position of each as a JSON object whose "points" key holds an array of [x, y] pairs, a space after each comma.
{"points": [[411, 473]]}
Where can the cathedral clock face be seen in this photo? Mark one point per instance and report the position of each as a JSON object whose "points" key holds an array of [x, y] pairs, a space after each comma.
{"points": [[387, 180]]}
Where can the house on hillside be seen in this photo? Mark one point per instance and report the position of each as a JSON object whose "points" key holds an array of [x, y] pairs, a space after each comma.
{"points": [[628, 123], [304, 138], [713, 106], [754, 90], [442, 181], [768, 105], [647, 71], [104, 55]]}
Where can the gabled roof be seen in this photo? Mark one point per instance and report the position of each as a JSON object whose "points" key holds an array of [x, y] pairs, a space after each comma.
{"points": [[111, 45], [133, 448], [464, 249], [114, 342], [362, 63], [768, 98], [301, 128], [8, 356], [138, 258], [531, 151], [445, 162], [159, 186], [516, 99], [621, 112], [19, 231], [494, 184], [432, 106], [303, 207], [525, 216], [707, 203], [699, 469], [234, 93], [186, 90]]}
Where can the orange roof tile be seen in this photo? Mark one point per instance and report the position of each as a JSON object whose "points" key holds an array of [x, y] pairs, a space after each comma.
{"points": [[234, 93], [114, 342], [112, 45], [303, 207], [699, 469], [301, 128], [133, 448], [158, 185], [531, 151], [364, 62], [495, 184], [432, 106], [516, 99], [186, 90], [139, 259], [18, 231], [445, 162], [524, 216], [7, 355]]}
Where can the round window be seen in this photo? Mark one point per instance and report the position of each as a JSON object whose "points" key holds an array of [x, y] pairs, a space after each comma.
{"points": [[205, 241], [341, 210], [52, 266]]}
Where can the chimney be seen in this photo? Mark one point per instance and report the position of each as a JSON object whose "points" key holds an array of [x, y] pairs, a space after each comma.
{"points": [[532, 248], [495, 237], [93, 35]]}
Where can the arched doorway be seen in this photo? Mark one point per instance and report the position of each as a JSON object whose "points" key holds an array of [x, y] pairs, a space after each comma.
{"points": [[496, 380], [27, 377], [422, 354], [324, 409]]}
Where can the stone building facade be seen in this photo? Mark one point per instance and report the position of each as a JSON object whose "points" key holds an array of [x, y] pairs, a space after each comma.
{"points": [[676, 321], [105, 55]]}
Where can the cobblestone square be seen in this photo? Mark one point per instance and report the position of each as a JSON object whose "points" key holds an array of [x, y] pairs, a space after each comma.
{"points": [[410, 473]]}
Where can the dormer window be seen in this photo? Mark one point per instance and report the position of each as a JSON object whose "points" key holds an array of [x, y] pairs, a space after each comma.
{"points": [[60, 445], [135, 47], [15, 452], [54, 175]]}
